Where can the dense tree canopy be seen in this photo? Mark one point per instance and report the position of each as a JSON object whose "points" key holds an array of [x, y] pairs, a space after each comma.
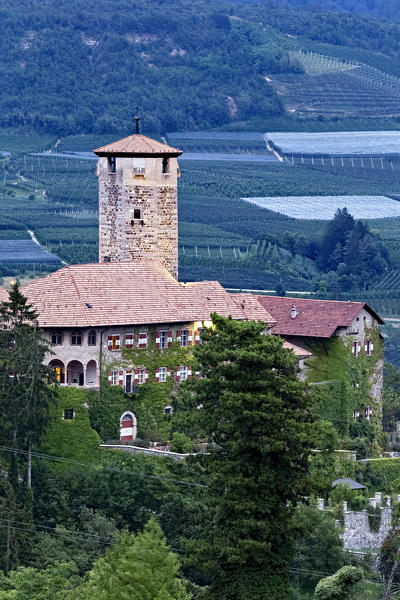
{"points": [[255, 410]]}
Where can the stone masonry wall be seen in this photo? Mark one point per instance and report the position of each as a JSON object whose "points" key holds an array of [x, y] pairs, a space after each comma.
{"points": [[155, 234], [357, 534]]}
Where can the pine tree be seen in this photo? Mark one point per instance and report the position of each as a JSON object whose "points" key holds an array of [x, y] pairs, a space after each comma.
{"points": [[256, 412], [138, 568], [25, 399], [25, 396]]}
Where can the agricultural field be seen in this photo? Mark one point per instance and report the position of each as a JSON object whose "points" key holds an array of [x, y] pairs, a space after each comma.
{"points": [[317, 64], [340, 143], [338, 86], [221, 236], [25, 251], [324, 207]]}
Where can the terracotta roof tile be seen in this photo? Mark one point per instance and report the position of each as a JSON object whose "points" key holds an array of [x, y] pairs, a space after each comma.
{"points": [[125, 293], [315, 318], [297, 350], [253, 310], [137, 145]]}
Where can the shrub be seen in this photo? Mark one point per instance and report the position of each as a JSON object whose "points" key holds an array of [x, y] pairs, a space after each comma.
{"points": [[181, 443]]}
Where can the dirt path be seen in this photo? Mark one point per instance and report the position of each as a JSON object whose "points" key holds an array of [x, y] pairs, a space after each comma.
{"points": [[34, 239], [270, 149]]}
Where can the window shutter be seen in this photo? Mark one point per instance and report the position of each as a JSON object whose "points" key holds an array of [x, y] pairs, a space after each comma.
{"points": [[142, 340], [371, 347], [356, 414], [197, 374], [109, 342], [169, 339], [117, 342], [157, 375], [136, 376], [129, 340], [178, 336], [366, 346], [157, 339], [353, 348], [368, 413], [359, 348], [146, 375], [190, 336], [120, 378], [189, 372], [197, 337], [178, 374], [109, 377]]}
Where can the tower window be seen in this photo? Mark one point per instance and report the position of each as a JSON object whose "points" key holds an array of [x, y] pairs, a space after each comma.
{"points": [[165, 165], [112, 165], [136, 213]]}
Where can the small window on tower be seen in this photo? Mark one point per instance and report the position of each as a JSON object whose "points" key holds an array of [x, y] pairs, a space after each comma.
{"points": [[136, 213], [165, 165], [112, 165]]}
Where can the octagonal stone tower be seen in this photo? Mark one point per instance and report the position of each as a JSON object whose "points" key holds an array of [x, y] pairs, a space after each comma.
{"points": [[138, 201]]}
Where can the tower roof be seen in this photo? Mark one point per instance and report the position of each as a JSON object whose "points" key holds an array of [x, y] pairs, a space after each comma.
{"points": [[137, 145]]}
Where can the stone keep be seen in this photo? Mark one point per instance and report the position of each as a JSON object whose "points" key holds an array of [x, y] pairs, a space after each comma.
{"points": [[138, 201]]}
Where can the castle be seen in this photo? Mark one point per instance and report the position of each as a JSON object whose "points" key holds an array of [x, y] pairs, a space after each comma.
{"points": [[132, 299]]}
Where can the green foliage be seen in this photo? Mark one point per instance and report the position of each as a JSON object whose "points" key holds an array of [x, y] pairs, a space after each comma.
{"points": [[386, 472], [318, 548], [27, 583], [256, 412], [149, 403], [374, 517], [105, 411], [139, 567], [339, 586], [74, 438], [343, 385], [181, 443], [81, 543]]}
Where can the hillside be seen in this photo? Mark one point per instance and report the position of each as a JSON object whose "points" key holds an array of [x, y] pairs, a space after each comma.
{"points": [[84, 66], [387, 9]]}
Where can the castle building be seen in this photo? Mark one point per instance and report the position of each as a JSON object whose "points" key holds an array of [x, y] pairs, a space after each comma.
{"points": [[138, 201], [101, 318]]}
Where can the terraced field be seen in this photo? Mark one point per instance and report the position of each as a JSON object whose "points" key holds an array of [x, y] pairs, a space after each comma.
{"points": [[333, 87]]}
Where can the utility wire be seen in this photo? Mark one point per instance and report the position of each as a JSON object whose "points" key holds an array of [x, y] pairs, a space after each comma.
{"points": [[103, 540], [101, 467], [53, 530]]}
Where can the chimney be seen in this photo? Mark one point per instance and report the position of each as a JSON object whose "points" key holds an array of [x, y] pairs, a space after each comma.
{"points": [[293, 313]]}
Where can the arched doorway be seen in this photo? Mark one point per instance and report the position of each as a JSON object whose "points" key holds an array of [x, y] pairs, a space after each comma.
{"points": [[75, 373], [59, 369], [91, 373], [128, 427]]}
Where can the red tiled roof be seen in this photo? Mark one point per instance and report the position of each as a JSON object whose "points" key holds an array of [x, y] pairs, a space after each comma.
{"points": [[297, 350], [315, 318], [253, 310], [137, 145], [124, 293]]}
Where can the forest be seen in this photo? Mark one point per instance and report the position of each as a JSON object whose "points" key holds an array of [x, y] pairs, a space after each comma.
{"points": [[76, 67]]}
